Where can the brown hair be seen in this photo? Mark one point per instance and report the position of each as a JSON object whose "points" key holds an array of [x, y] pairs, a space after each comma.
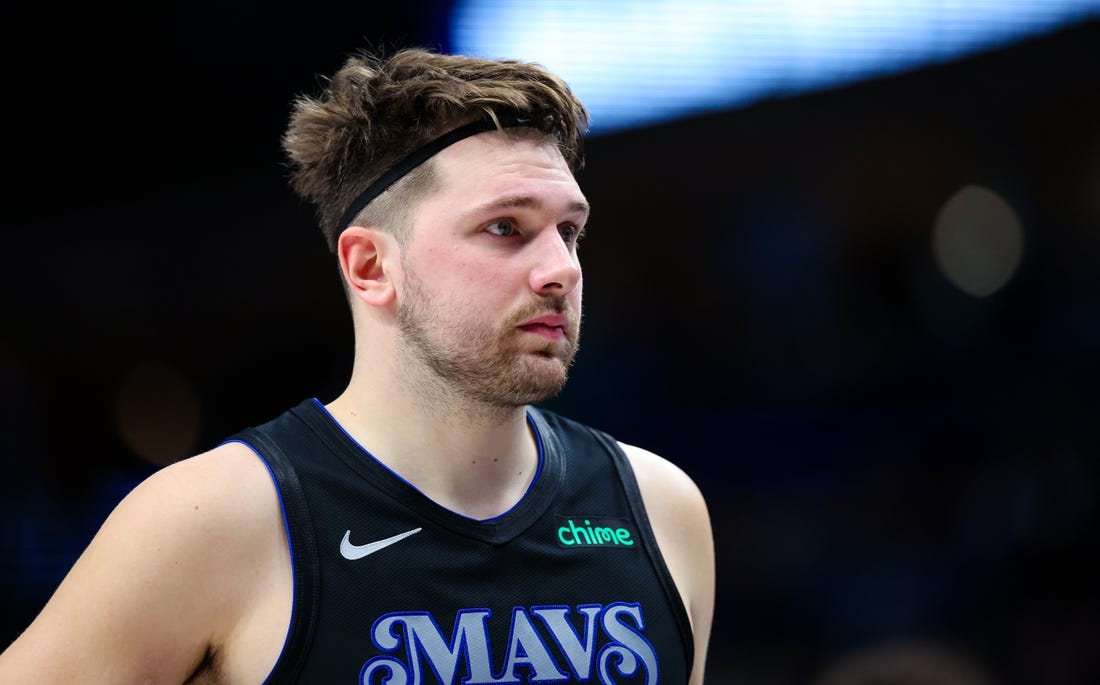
{"points": [[374, 112]]}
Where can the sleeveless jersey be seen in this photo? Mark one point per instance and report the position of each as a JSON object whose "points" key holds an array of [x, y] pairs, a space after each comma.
{"points": [[390, 587]]}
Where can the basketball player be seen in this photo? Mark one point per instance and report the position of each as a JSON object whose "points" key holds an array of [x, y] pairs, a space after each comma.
{"points": [[429, 524]]}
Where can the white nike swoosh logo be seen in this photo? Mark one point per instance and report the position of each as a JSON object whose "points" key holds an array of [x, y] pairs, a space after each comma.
{"points": [[353, 552]]}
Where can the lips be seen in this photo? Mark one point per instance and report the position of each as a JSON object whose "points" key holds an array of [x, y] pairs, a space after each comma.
{"points": [[548, 325]]}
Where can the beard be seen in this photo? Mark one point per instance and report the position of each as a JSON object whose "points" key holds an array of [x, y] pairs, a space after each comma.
{"points": [[479, 362]]}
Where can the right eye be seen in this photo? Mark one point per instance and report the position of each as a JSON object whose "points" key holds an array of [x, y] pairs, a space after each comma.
{"points": [[502, 227]]}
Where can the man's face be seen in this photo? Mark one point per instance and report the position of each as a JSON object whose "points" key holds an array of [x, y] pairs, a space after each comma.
{"points": [[490, 294]]}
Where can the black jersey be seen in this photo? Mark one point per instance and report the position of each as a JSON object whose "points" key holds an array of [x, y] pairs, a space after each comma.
{"points": [[390, 587]]}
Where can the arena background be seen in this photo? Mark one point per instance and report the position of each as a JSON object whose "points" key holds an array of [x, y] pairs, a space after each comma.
{"points": [[889, 458]]}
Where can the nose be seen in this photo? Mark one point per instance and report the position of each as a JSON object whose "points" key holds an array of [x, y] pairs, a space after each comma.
{"points": [[557, 269]]}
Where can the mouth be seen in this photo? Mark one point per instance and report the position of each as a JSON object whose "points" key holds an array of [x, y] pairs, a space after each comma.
{"points": [[548, 326]]}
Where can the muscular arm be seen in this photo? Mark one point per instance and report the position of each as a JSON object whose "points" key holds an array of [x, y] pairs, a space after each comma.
{"points": [[169, 579], [681, 523]]}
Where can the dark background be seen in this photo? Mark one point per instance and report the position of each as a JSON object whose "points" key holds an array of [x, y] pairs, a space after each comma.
{"points": [[886, 458]]}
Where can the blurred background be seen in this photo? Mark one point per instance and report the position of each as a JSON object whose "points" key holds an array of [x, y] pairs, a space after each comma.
{"points": [[843, 267]]}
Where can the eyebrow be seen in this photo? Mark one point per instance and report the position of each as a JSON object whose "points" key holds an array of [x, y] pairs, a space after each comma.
{"points": [[526, 202]]}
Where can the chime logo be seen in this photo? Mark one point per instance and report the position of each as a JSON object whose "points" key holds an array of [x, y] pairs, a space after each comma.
{"points": [[577, 531]]}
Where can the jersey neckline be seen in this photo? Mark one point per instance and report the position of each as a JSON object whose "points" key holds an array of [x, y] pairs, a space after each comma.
{"points": [[496, 530]]}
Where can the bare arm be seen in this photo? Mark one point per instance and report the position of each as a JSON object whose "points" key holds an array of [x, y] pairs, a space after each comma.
{"points": [[681, 523], [166, 581]]}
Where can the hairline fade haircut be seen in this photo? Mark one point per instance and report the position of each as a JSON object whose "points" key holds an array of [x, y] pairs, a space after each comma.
{"points": [[374, 112]]}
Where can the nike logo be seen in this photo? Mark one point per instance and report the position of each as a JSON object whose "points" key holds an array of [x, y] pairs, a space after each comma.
{"points": [[353, 552]]}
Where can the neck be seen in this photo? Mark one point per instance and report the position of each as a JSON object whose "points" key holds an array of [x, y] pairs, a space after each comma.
{"points": [[477, 461]]}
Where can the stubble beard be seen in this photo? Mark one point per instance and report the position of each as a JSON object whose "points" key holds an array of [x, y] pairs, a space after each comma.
{"points": [[479, 363]]}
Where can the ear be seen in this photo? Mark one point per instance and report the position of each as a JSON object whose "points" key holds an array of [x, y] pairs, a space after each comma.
{"points": [[366, 258]]}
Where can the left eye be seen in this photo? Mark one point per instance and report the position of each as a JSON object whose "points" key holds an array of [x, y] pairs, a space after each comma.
{"points": [[570, 233], [504, 227]]}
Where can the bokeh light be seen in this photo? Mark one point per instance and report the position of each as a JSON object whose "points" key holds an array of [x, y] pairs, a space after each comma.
{"points": [[157, 412], [977, 241]]}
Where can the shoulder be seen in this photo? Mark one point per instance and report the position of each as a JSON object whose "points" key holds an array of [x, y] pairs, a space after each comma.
{"points": [[672, 499], [166, 579], [197, 498], [653, 470], [224, 481], [215, 522], [665, 487], [203, 514]]}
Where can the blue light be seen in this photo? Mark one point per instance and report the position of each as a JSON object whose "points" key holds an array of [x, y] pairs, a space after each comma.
{"points": [[635, 62]]}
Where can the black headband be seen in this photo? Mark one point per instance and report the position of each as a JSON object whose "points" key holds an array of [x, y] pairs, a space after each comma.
{"points": [[421, 155]]}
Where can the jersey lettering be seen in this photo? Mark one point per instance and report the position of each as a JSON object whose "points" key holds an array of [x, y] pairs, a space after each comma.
{"points": [[610, 644]]}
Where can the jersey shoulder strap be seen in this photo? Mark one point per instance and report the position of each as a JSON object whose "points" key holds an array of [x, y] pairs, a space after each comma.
{"points": [[269, 442]]}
